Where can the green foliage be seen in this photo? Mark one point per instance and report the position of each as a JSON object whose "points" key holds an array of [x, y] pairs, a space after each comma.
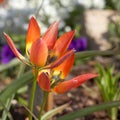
{"points": [[75, 17], [86, 111], [55, 111], [11, 64], [108, 83], [15, 85], [113, 4], [82, 57], [109, 87], [20, 41], [114, 31], [87, 54]]}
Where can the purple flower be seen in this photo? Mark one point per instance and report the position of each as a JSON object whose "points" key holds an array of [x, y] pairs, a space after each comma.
{"points": [[6, 54], [79, 44]]}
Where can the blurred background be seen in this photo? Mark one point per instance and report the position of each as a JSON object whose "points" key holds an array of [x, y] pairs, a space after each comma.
{"points": [[90, 18], [97, 25]]}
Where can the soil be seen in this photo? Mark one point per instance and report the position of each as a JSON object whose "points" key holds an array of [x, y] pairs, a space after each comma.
{"points": [[81, 97]]}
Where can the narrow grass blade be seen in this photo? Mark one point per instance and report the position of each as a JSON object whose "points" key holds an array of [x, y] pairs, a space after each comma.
{"points": [[89, 110], [53, 112], [14, 62], [15, 85]]}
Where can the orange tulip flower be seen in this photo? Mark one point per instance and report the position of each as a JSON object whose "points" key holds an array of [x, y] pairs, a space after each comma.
{"points": [[46, 50], [53, 80]]}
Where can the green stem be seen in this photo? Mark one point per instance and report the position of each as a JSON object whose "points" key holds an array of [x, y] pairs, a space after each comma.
{"points": [[113, 114], [33, 93], [43, 104]]}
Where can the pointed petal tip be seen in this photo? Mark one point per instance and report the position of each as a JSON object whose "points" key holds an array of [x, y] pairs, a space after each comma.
{"points": [[85, 77], [14, 49], [93, 75], [32, 18], [50, 35], [73, 83], [72, 32], [4, 33], [56, 22], [33, 33], [63, 43]]}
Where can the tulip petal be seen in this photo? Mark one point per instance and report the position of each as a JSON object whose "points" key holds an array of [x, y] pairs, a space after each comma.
{"points": [[65, 66], [61, 59], [44, 81], [38, 53], [73, 83], [1, 1], [13, 48], [50, 35], [63, 43], [33, 34]]}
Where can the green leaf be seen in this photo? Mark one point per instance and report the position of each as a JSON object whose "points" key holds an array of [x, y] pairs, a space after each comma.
{"points": [[6, 112], [116, 78], [53, 112], [14, 62], [89, 110], [102, 81], [85, 54], [15, 85]]}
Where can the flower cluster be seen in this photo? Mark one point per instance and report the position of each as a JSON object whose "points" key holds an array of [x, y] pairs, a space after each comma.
{"points": [[50, 56]]}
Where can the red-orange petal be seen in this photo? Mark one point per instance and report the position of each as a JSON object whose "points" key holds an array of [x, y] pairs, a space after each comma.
{"points": [[44, 81], [63, 43], [50, 35], [1, 1], [33, 34], [38, 53], [73, 83], [13, 48], [66, 66], [61, 59]]}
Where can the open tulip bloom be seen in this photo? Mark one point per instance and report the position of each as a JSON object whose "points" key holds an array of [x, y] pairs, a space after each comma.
{"points": [[54, 79], [50, 57]]}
